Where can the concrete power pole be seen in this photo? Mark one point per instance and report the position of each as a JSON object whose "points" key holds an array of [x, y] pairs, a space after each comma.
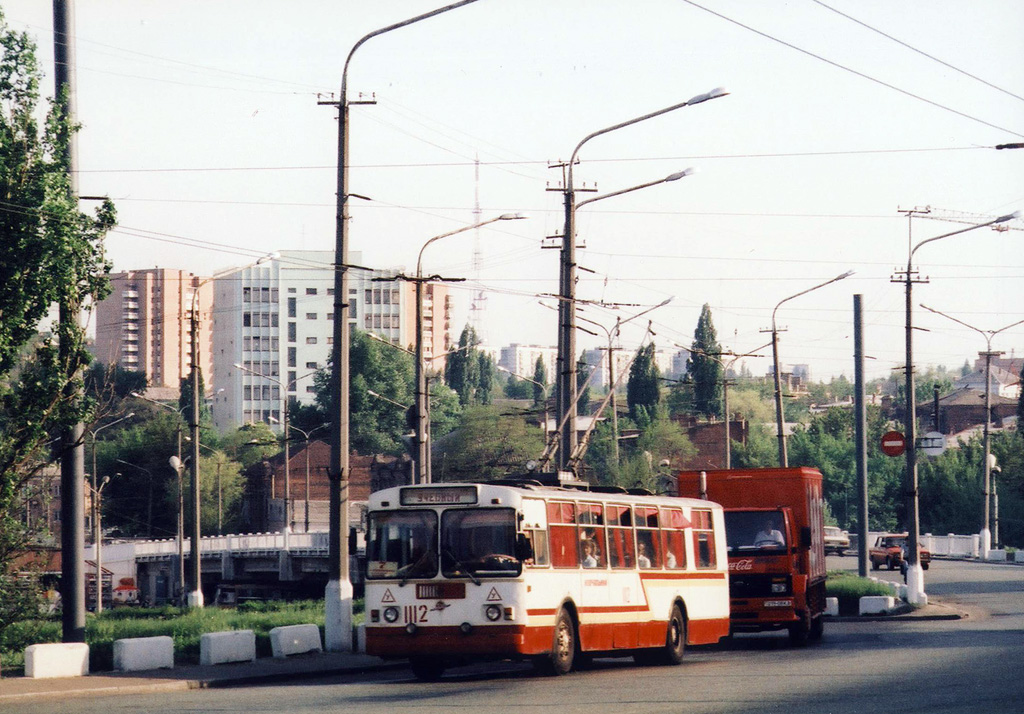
{"points": [[72, 461]]}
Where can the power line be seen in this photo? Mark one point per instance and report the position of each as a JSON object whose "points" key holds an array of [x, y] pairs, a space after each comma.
{"points": [[920, 52], [862, 75]]}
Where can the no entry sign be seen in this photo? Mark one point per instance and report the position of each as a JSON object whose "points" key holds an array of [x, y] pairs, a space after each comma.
{"points": [[893, 443]]}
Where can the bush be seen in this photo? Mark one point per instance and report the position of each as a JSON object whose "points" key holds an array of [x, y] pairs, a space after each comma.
{"points": [[186, 627], [849, 589]]}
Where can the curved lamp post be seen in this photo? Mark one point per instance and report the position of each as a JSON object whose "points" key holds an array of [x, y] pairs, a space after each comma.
{"points": [[305, 437], [97, 533], [915, 575], [988, 354], [338, 593], [779, 421], [565, 393], [422, 420]]}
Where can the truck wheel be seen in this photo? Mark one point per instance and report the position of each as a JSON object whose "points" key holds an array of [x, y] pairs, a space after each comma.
{"points": [[924, 566], [800, 631], [427, 669], [563, 647], [817, 628], [889, 564]]}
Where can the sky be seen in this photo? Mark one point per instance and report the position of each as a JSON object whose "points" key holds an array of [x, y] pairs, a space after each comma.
{"points": [[201, 121]]}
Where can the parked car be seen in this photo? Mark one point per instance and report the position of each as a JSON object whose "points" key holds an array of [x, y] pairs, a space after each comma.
{"points": [[836, 540], [888, 551]]}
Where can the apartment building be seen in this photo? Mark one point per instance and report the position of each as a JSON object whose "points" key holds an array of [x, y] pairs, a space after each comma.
{"points": [[144, 325], [276, 320]]}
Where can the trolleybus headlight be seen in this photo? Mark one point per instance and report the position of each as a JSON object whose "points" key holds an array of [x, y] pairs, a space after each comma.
{"points": [[391, 614], [493, 612]]}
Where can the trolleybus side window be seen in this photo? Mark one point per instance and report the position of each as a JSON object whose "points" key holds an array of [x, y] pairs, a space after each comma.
{"points": [[673, 525], [593, 549], [620, 536], [648, 545], [401, 544], [479, 541], [703, 539], [562, 532]]}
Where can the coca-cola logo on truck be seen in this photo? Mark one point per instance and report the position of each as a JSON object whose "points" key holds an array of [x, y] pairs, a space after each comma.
{"points": [[738, 565]]}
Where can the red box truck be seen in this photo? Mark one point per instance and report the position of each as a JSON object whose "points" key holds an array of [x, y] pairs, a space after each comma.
{"points": [[774, 528]]}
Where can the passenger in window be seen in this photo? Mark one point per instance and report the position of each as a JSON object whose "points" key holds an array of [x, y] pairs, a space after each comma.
{"points": [[589, 554], [670, 560], [641, 556]]}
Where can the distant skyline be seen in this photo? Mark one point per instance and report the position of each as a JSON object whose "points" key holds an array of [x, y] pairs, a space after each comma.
{"points": [[200, 120]]}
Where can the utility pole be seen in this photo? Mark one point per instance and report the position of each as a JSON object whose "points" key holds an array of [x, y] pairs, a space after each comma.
{"points": [[860, 437], [72, 460]]}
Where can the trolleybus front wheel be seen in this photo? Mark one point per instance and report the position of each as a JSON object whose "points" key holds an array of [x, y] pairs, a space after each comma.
{"points": [[563, 647]]}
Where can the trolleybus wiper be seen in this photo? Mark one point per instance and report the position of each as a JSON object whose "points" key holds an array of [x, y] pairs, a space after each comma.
{"points": [[462, 567]]}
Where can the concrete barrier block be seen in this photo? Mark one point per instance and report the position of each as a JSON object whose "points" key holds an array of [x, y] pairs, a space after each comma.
{"points": [[136, 654], [230, 646], [997, 555], [901, 592], [360, 639], [295, 639], [57, 659], [832, 606], [876, 604], [1018, 556]]}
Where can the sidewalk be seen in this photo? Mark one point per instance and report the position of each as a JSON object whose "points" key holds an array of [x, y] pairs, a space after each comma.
{"points": [[15, 690]]}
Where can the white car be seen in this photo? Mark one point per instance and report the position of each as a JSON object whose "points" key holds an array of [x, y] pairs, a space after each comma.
{"points": [[836, 540]]}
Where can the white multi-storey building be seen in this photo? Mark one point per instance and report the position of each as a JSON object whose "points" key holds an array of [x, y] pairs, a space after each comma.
{"points": [[276, 320], [522, 360]]}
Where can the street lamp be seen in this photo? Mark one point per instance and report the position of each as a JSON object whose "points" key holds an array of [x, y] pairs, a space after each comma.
{"points": [[338, 594], [422, 421], [988, 354], [565, 393], [779, 422], [178, 466], [195, 595], [915, 575], [305, 436], [97, 534], [289, 519], [97, 508]]}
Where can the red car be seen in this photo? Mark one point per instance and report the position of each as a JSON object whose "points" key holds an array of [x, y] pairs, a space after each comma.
{"points": [[888, 551]]}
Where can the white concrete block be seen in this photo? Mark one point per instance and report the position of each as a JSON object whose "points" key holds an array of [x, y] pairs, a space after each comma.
{"points": [[876, 604], [832, 606], [295, 639], [230, 646], [360, 639], [57, 659], [141, 653], [997, 555], [1018, 556], [901, 592]]}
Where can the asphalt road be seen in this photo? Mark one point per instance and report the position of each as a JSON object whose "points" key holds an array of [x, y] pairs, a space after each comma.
{"points": [[970, 665]]}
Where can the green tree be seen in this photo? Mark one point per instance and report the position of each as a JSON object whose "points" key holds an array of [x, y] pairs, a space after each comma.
{"points": [[643, 389], [540, 377], [52, 253], [487, 444], [462, 371], [519, 389], [1020, 403], [704, 367], [583, 371], [486, 370]]}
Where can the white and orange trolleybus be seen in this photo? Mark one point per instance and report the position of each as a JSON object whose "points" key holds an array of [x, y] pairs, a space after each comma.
{"points": [[517, 569]]}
